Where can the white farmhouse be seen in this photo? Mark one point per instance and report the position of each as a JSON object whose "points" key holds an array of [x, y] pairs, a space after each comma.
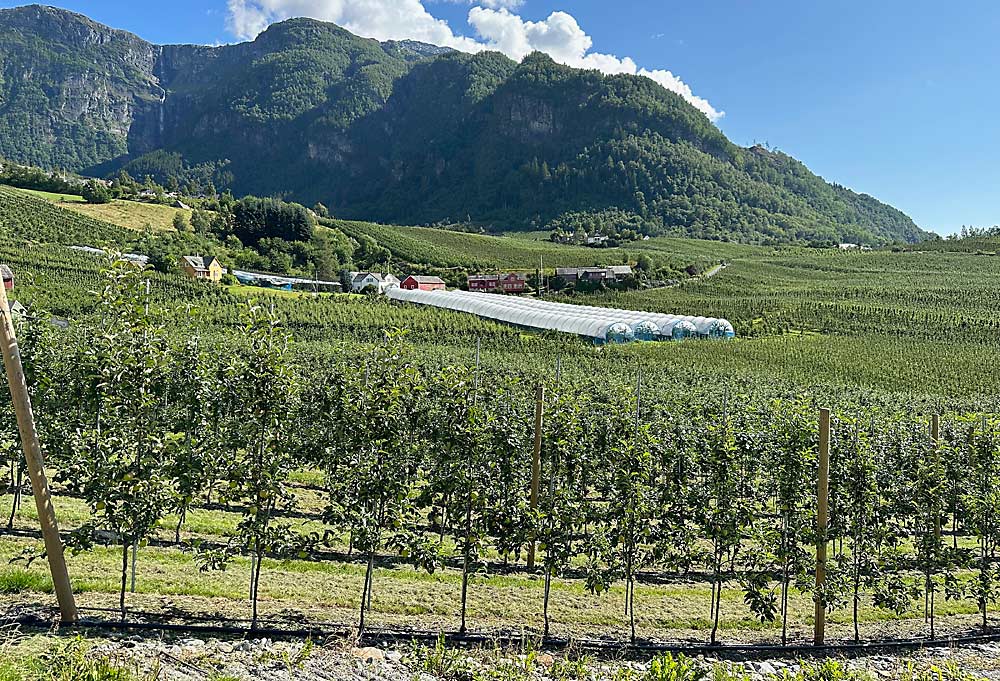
{"points": [[376, 280]]}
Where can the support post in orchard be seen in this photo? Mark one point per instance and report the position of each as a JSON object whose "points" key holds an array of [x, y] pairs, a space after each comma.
{"points": [[936, 453], [822, 525], [536, 464], [36, 464]]}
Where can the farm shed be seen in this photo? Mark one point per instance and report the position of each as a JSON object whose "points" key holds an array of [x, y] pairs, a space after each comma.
{"points": [[415, 283], [601, 324]]}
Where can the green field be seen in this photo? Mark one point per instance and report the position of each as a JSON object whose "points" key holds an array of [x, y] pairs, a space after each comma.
{"points": [[54, 197], [894, 336], [128, 214], [444, 248]]}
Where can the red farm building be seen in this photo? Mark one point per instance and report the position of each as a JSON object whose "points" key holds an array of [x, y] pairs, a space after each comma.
{"points": [[505, 283], [415, 283]]}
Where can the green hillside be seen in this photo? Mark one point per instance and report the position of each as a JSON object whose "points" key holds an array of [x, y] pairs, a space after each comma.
{"points": [[406, 133], [446, 248]]}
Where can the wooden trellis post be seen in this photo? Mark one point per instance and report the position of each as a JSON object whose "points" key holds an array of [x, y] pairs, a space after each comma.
{"points": [[36, 463], [935, 443], [536, 464], [822, 525]]}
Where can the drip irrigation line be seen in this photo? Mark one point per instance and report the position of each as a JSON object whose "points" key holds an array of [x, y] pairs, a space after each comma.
{"points": [[601, 648]]}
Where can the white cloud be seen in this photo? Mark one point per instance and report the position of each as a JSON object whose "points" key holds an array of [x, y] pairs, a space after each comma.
{"points": [[498, 4], [379, 19], [560, 35]]}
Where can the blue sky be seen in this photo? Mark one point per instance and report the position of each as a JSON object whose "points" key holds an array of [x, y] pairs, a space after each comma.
{"points": [[894, 98]]}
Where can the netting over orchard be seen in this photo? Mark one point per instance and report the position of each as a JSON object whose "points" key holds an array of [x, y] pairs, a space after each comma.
{"points": [[602, 324]]}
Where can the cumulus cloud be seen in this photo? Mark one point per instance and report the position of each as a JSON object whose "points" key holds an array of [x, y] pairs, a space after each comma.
{"points": [[379, 19], [561, 37], [498, 4], [496, 28]]}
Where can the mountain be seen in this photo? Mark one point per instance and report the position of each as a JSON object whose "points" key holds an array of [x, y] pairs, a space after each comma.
{"points": [[406, 132]]}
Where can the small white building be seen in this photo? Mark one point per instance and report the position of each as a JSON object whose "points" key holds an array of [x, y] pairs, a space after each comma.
{"points": [[376, 280]]}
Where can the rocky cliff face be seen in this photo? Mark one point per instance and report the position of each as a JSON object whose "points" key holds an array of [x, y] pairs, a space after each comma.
{"points": [[69, 87], [76, 94]]}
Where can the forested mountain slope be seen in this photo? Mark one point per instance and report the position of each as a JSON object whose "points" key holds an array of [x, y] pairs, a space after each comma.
{"points": [[405, 132]]}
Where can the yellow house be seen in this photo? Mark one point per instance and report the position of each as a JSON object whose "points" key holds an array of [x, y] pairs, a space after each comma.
{"points": [[204, 267]]}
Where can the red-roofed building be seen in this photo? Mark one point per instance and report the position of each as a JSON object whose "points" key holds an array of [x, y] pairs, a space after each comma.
{"points": [[484, 282], [415, 283], [505, 283]]}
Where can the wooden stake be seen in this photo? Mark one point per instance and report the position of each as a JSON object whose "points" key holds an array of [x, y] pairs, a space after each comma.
{"points": [[536, 464], [935, 442], [822, 525], [638, 399], [36, 464]]}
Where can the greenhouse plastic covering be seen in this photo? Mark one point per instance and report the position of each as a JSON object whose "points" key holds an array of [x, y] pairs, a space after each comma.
{"points": [[603, 324]]}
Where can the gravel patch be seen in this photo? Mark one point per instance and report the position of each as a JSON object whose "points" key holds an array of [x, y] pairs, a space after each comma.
{"points": [[189, 659]]}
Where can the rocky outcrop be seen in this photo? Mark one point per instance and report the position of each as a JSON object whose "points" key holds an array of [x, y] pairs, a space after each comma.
{"points": [[528, 117], [74, 84]]}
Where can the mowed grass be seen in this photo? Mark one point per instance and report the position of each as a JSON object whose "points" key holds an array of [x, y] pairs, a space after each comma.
{"points": [[211, 524], [53, 196], [256, 291], [329, 592], [128, 214]]}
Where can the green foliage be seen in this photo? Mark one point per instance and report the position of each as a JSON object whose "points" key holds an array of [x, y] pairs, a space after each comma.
{"points": [[629, 518], [716, 474], [19, 581], [372, 442], [827, 670], [95, 191], [255, 219], [948, 671], [448, 664], [616, 225], [448, 249], [556, 145], [29, 177], [669, 668], [120, 456], [170, 169], [29, 218], [180, 222], [200, 221], [66, 660], [259, 396]]}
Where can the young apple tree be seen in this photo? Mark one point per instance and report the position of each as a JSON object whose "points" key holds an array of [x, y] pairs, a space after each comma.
{"points": [[119, 462], [257, 437]]}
